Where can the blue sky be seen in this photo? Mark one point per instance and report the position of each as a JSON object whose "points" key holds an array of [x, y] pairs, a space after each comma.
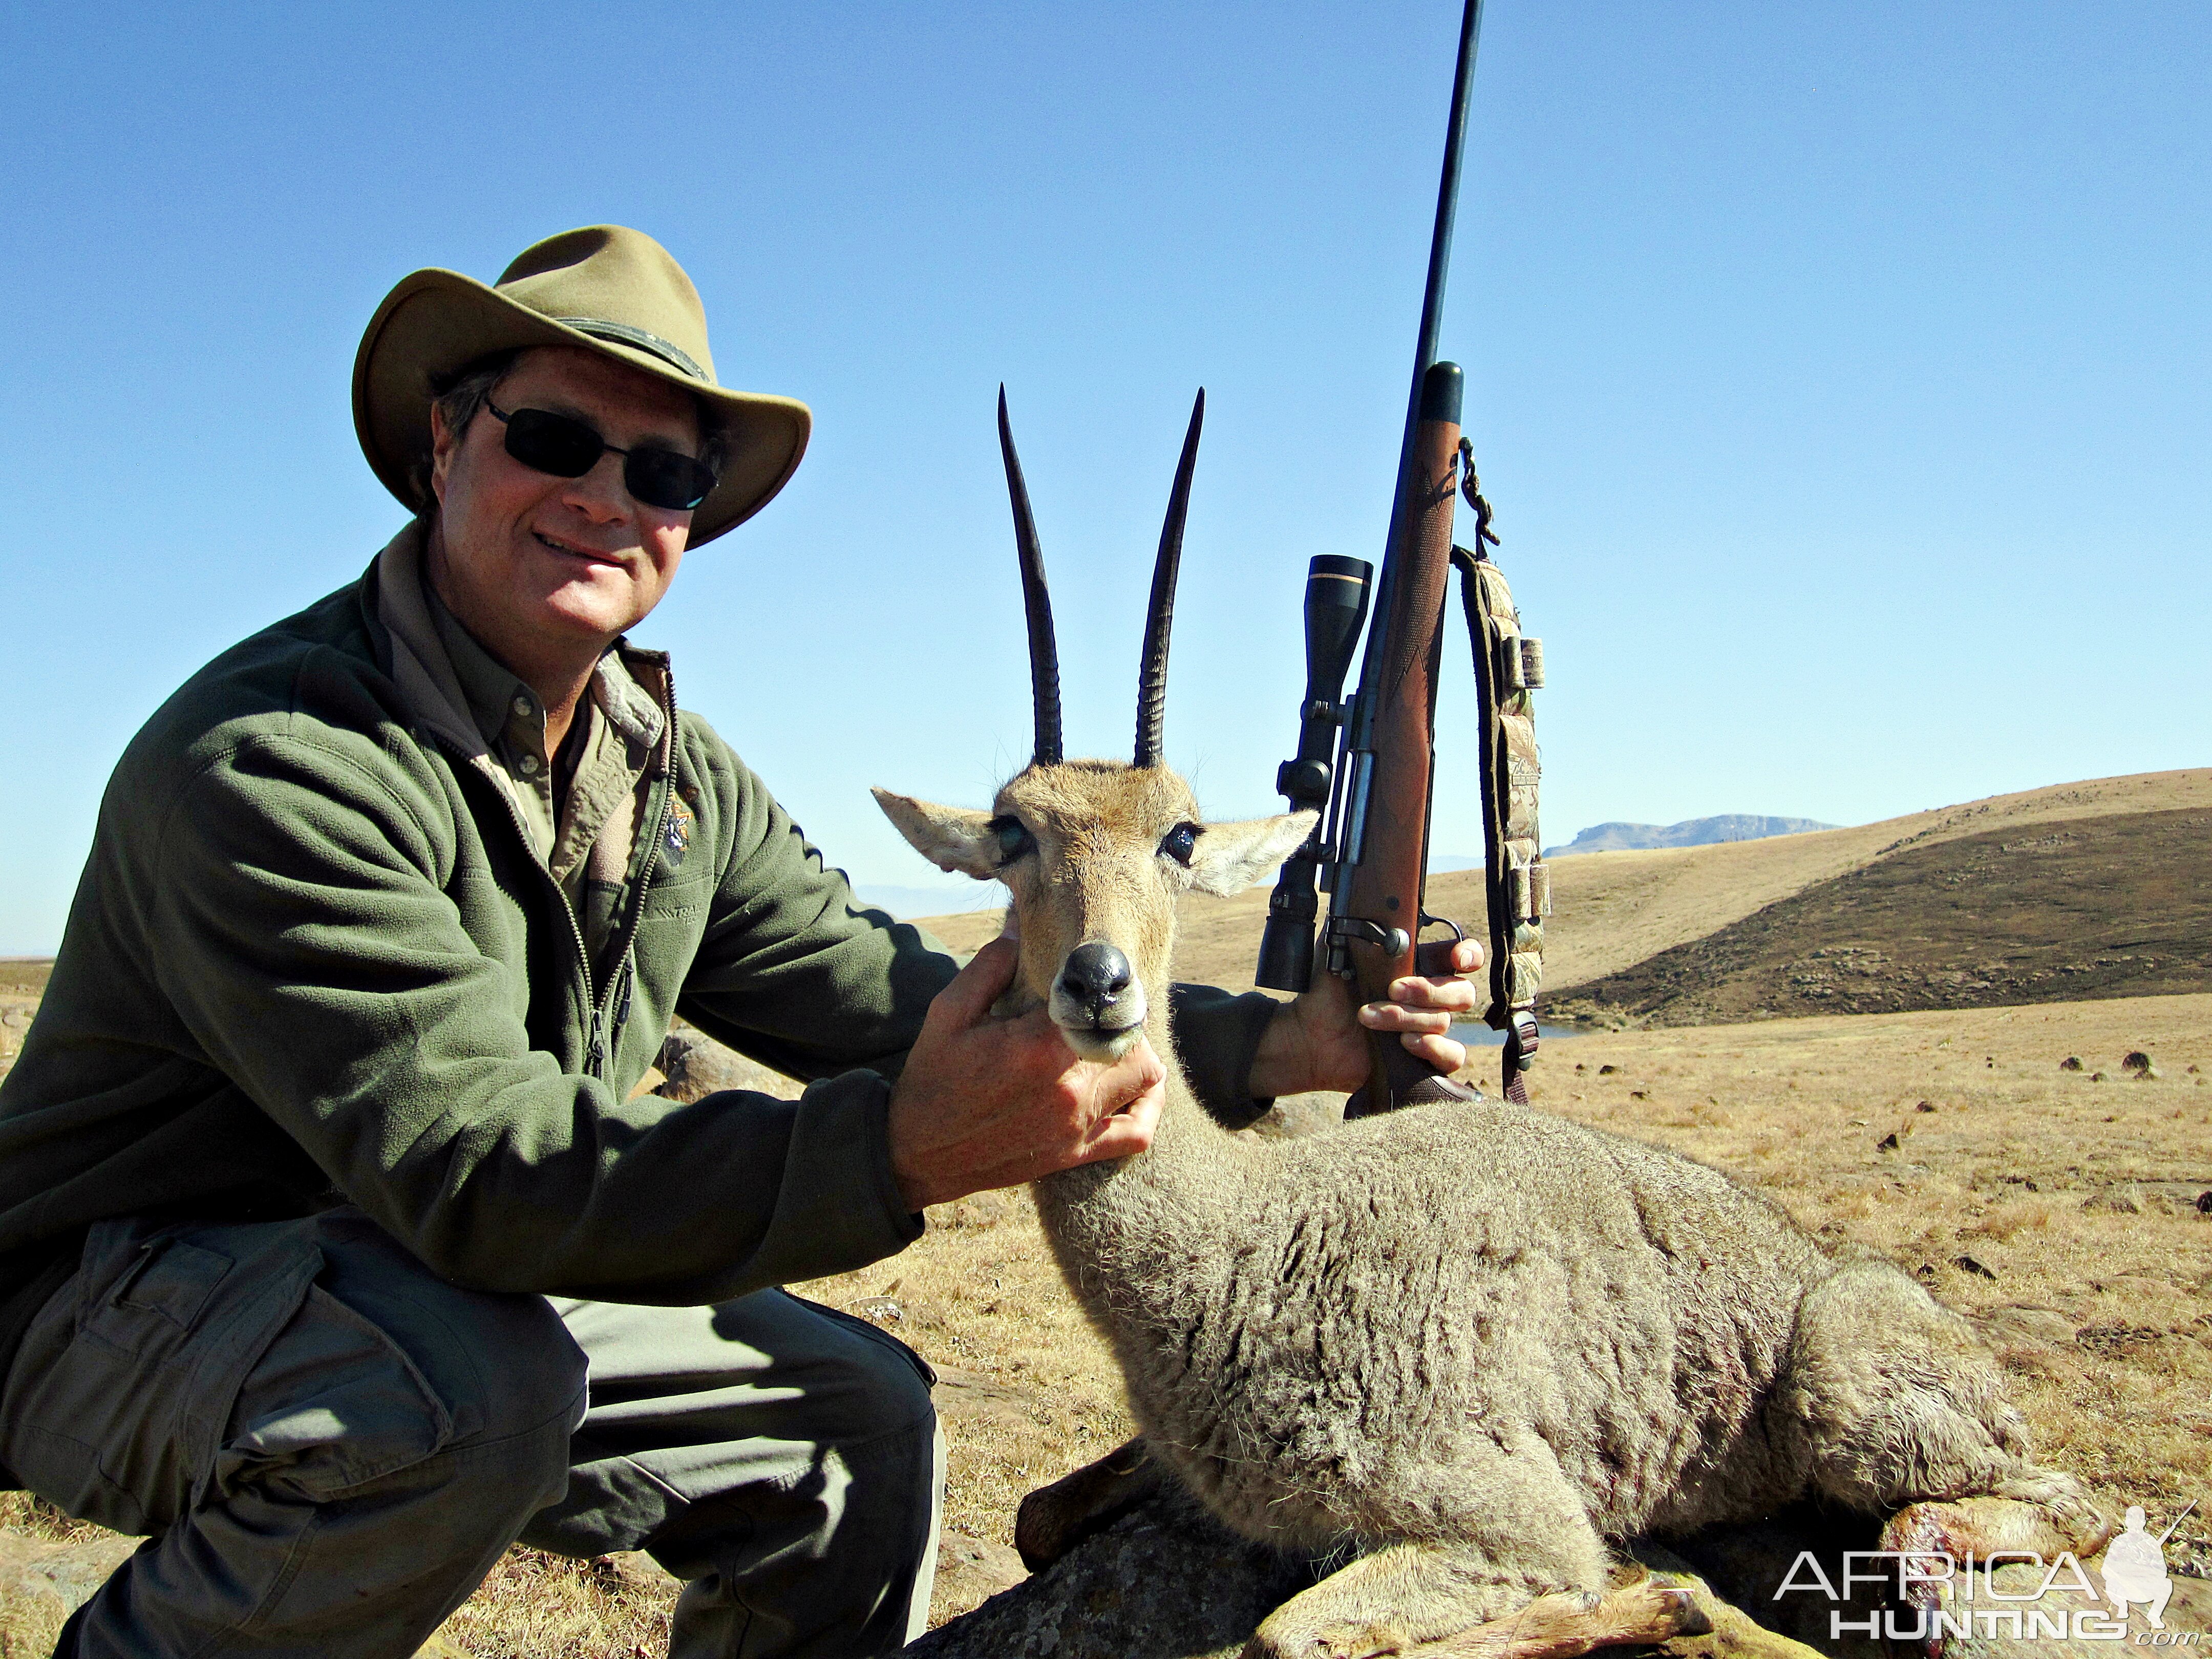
{"points": [[1838, 373]]}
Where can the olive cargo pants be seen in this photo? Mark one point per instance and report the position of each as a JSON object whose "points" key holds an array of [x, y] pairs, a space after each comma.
{"points": [[328, 1448]]}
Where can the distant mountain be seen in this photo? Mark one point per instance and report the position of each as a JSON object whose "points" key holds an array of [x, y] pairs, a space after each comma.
{"points": [[1694, 832]]}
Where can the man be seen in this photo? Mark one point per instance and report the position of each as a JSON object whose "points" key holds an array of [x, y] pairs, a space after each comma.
{"points": [[334, 1254], [2134, 1569]]}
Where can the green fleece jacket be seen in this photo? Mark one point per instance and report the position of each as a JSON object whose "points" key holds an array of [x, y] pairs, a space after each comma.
{"points": [[314, 959]]}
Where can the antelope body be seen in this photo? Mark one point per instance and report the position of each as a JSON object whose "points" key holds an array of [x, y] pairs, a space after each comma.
{"points": [[1460, 1348]]}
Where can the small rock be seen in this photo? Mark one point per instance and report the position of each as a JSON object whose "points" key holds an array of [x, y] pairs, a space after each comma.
{"points": [[635, 1569], [695, 1066], [1968, 1264], [1640, 1093], [2071, 1063], [970, 1397], [42, 1583], [881, 1308], [1887, 1143], [2137, 1065], [972, 1570], [2098, 1077], [1606, 1071], [2116, 1200], [1294, 1117], [1925, 1106]]}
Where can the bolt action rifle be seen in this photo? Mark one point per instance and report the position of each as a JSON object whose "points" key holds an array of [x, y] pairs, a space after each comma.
{"points": [[1367, 764]]}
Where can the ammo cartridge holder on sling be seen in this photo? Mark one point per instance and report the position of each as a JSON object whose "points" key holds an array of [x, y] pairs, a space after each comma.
{"points": [[1508, 665]]}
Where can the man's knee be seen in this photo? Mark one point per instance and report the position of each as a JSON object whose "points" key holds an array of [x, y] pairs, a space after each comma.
{"points": [[861, 1385]]}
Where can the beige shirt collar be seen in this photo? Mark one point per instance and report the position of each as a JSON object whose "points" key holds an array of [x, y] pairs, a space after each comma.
{"points": [[466, 695]]}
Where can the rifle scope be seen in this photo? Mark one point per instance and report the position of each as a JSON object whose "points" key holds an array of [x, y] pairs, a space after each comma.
{"points": [[1337, 590]]}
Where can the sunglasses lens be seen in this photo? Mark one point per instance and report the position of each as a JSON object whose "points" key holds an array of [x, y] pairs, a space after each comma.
{"points": [[664, 479], [552, 443]]}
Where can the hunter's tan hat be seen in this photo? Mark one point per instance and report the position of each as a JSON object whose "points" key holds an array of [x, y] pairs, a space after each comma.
{"points": [[611, 290]]}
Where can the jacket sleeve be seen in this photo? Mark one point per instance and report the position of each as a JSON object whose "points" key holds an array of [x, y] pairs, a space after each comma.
{"points": [[793, 970], [295, 911], [1216, 1035]]}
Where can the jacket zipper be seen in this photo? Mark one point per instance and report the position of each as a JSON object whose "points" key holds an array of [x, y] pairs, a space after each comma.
{"points": [[597, 1038], [593, 1046], [648, 860]]}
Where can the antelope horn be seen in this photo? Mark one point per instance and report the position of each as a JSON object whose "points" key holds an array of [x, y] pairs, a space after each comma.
{"points": [[1037, 602], [1159, 617]]}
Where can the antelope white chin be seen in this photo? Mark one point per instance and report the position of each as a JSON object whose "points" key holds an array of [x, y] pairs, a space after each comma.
{"points": [[1102, 1044]]}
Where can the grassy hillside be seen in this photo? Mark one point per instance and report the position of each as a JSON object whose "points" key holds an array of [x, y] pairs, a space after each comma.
{"points": [[1614, 911], [2100, 907]]}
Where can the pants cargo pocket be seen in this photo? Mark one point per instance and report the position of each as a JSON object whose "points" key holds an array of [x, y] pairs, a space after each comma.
{"points": [[334, 1404], [123, 1385]]}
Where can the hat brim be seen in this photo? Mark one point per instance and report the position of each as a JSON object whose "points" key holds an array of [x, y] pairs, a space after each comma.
{"points": [[437, 321]]}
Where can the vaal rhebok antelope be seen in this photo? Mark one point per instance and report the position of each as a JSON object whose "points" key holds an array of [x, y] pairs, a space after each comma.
{"points": [[1462, 1349]]}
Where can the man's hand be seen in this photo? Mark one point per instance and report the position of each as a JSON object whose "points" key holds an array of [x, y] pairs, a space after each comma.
{"points": [[1319, 1042], [985, 1102]]}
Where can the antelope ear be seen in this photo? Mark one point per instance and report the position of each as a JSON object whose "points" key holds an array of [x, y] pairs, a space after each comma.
{"points": [[949, 837], [1230, 857]]}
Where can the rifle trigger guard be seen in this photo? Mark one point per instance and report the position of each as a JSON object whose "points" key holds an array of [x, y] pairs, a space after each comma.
{"points": [[1458, 932]]}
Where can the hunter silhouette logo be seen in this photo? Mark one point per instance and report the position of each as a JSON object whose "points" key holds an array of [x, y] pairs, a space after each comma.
{"points": [[2133, 1568], [1936, 1595]]}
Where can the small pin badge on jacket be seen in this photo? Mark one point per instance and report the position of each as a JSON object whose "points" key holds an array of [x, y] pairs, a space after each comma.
{"points": [[678, 839]]}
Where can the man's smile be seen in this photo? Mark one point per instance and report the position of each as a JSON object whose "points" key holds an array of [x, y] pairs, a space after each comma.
{"points": [[591, 555]]}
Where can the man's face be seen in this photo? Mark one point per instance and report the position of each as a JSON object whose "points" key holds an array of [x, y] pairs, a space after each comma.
{"points": [[530, 561]]}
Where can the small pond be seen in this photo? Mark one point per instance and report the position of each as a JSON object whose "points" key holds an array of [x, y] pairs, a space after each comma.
{"points": [[1479, 1035]]}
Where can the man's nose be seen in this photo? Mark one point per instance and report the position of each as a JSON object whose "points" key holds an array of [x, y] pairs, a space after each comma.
{"points": [[1095, 975], [601, 495]]}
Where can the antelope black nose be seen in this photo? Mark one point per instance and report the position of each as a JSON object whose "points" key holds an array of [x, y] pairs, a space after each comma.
{"points": [[1095, 974]]}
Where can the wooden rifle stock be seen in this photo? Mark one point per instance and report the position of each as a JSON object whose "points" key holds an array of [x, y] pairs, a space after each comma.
{"points": [[1375, 907]]}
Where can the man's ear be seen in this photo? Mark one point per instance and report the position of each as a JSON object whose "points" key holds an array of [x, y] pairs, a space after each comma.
{"points": [[442, 445], [1230, 857], [951, 837]]}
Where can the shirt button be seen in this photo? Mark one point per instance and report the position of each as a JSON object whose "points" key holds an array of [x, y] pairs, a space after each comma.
{"points": [[528, 766], [522, 705]]}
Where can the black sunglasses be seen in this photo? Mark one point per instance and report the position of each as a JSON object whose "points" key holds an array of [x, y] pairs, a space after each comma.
{"points": [[567, 448]]}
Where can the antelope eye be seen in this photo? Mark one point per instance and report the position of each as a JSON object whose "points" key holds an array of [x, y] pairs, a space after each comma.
{"points": [[1179, 843], [1014, 839]]}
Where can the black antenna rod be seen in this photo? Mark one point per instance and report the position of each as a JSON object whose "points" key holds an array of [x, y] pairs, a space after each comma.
{"points": [[1432, 305]]}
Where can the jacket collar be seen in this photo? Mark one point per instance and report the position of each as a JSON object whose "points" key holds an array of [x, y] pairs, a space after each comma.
{"points": [[420, 666]]}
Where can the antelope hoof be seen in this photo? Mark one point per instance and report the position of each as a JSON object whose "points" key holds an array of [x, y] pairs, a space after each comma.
{"points": [[1053, 1520]]}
